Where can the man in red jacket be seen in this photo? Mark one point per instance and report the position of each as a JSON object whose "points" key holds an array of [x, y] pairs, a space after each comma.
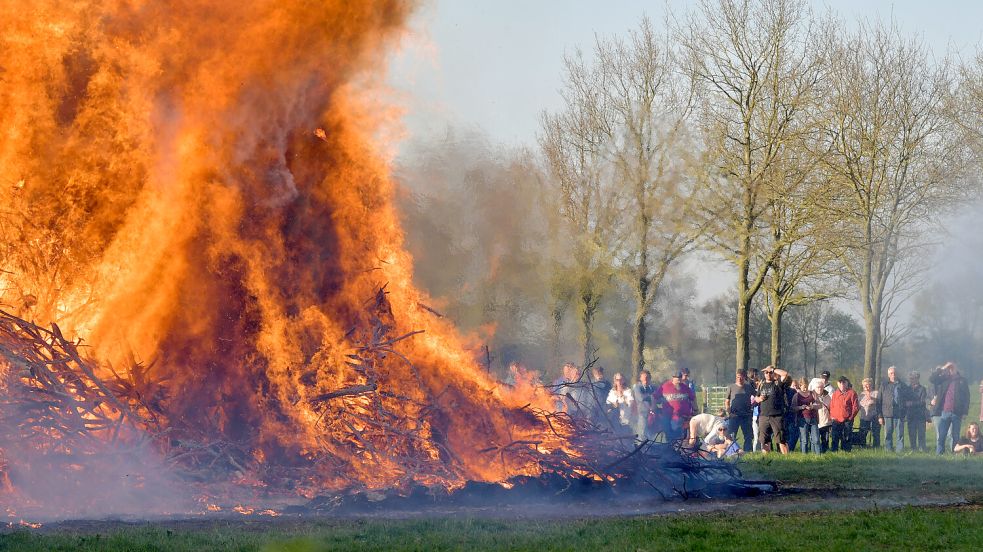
{"points": [[680, 400], [843, 408]]}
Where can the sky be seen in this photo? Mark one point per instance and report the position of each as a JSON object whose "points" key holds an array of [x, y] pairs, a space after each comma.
{"points": [[497, 65]]}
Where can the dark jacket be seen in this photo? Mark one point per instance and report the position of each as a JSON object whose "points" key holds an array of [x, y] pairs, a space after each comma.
{"points": [[916, 409], [940, 380], [893, 397]]}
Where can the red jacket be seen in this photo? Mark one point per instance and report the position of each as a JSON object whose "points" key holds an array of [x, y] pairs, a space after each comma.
{"points": [[681, 400], [844, 405]]}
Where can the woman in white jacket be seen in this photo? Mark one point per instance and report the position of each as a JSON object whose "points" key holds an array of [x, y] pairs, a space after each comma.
{"points": [[622, 398]]}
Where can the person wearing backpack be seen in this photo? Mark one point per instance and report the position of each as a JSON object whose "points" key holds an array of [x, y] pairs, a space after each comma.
{"points": [[771, 397]]}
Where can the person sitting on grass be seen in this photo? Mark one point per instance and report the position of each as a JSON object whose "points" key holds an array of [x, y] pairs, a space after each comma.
{"points": [[972, 443], [721, 444], [703, 426]]}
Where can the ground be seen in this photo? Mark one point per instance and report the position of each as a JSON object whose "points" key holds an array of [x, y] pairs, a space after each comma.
{"points": [[859, 500]]}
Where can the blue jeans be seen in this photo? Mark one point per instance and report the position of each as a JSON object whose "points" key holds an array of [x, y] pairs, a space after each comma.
{"points": [[948, 422], [744, 424], [791, 432], [916, 435], [754, 429], [871, 427], [890, 441], [808, 435]]}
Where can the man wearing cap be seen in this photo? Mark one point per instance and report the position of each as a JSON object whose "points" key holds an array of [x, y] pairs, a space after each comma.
{"points": [[893, 395], [916, 412], [680, 399], [771, 398], [843, 408]]}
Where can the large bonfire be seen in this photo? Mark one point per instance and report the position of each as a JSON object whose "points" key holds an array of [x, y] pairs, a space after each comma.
{"points": [[202, 275]]}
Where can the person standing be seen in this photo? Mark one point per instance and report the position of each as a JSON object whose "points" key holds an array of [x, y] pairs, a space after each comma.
{"points": [[755, 411], [601, 383], [917, 413], [680, 399], [805, 405], [951, 403], [688, 380], [739, 408], [823, 422], [843, 408], [621, 399], [894, 396], [791, 419], [771, 398], [644, 391], [869, 410]]}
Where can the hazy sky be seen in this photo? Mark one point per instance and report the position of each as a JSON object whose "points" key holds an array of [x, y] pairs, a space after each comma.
{"points": [[497, 64]]}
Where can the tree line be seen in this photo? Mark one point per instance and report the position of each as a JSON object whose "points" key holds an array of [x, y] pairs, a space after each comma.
{"points": [[819, 159]]}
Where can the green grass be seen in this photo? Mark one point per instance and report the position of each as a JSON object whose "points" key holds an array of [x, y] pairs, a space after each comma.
{"points": [[870, 469], [907, 528]]}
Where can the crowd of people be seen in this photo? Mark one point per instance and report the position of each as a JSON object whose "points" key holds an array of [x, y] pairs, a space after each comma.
{"points": [[772, 411]]}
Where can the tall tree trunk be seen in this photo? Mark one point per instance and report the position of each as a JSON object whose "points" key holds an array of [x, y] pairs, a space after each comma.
{"points": [[638, 339], [558, 312], [775, 317], [743, 340], [872, 331], [590, 301]]}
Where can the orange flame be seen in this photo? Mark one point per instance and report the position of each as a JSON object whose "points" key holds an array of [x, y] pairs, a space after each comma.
{"points": [[193, 185]]}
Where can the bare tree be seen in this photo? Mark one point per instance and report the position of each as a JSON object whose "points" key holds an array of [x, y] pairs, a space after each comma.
{"points": [[757, 68], [624, 132], [575, 143], [907, 279], [646, 104], [893, 158]]}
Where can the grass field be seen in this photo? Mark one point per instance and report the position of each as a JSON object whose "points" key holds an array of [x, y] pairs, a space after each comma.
{"points": [[904, 528], [870, 469], [753, 525]]}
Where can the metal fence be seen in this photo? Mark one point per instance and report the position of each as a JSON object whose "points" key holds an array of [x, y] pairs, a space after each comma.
{"points": [[713, 399]]}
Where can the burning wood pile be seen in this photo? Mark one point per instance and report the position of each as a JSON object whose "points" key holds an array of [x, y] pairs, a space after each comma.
{"points": [[56, 413]]}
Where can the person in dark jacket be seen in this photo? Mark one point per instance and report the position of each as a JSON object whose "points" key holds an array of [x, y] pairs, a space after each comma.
{"points": [[771, 396], [950, 404], [739, 408], [916, 412], [893, 395]]}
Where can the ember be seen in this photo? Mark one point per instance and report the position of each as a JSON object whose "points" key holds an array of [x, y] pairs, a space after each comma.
{"points": [[204, 235]]}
